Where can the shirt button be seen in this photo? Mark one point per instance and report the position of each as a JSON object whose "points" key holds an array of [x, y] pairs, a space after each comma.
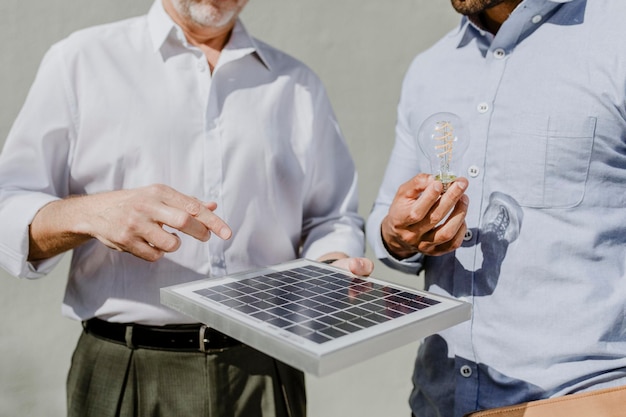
{"points": [[468, 235], [473, 171], [466, 371], [499, 53], [536, 19], [201, 66], [482, 107]]}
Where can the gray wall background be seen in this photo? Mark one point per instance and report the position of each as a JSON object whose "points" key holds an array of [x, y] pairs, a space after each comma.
{"points": [[359, 48]]}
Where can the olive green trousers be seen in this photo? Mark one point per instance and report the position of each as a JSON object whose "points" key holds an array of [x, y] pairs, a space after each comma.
{"points": [[110, 379]]}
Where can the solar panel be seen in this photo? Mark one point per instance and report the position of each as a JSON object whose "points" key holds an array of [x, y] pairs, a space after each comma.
{"points": [[313, 316]]}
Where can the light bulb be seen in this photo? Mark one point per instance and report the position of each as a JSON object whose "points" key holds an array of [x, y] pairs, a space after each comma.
{"points": [[443, 139]]}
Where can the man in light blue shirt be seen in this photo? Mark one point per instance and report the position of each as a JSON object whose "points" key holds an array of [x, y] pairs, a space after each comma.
{"points": [[535, 236]]}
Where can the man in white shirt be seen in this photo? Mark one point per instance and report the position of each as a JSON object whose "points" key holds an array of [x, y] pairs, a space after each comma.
{"points": [[138, 141]]}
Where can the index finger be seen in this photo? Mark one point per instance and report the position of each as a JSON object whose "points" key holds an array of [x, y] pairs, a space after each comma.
{"points": [[200, 212], [214, 223]]}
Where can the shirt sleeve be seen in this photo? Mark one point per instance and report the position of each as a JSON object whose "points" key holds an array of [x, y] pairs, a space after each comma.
{"points": [[34, 165], [403, 165], [330, 220]]}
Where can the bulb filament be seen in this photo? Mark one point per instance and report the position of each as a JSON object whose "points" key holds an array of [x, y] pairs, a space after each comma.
{"points": [[445, 138]]}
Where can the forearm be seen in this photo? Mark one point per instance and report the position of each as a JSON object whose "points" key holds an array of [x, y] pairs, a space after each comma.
{"points": [[55, 228]]}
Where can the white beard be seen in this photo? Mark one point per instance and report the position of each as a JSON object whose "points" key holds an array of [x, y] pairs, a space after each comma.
{"points": [[207, 14]]}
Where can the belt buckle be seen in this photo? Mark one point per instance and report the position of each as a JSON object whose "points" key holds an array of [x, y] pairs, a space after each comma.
{"points": [[203, 338]]}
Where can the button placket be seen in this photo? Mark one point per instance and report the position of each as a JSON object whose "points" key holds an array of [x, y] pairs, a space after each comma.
{"points": [[213, 180]]}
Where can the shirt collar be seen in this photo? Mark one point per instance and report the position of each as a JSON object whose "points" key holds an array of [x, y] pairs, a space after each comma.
{"points": [[468, 30], [240, 44]]}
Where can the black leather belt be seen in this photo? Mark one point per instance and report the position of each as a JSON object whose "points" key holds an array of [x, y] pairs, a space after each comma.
{"points": [[184, 337]]}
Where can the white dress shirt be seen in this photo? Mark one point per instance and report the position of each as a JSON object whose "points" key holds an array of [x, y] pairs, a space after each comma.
{"points": [[131, 103]]}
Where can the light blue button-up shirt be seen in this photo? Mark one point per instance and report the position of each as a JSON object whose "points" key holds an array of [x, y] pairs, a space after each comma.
{"points": [[544, 259]]}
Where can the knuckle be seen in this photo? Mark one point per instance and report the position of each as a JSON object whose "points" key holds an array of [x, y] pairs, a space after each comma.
{"points": [[154, 256], [426, 249], [193, 207], [413, 216], [157, 188], [445, 235], [434, 219], [171, 244], [153, 189], [135, 212], [181, 221], [405, 235], [125, 236]]}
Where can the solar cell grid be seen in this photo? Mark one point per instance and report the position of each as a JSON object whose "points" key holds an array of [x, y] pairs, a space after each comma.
{"points": [[315, 303]]}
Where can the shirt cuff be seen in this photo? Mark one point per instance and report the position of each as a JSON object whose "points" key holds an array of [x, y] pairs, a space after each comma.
{"points": [[16, 215]]}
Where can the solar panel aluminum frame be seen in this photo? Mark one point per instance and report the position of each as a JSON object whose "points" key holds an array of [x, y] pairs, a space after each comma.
{"points": [[299, 352]]}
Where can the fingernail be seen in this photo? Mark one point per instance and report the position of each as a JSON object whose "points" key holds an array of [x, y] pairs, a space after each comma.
{"points": [[224, 233]]}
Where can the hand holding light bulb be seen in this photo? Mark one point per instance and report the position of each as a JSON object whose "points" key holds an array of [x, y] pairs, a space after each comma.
{"points": [[427, 214], [443, 139]]}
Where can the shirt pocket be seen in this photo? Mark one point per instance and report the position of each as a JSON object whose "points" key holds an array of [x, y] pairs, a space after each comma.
{"points": [[549, 160]]}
